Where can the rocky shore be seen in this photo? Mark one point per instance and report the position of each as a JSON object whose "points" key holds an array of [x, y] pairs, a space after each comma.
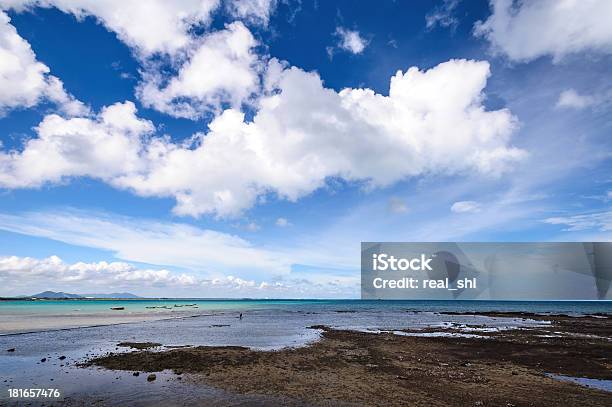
{"points": [[471, 365]]}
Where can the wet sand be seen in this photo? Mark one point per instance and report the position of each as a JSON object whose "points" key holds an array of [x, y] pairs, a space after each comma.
{"points": [[483, 367], [18, 324]]}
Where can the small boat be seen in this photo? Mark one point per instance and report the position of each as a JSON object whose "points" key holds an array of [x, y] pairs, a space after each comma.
{"points": [[117, 308]]}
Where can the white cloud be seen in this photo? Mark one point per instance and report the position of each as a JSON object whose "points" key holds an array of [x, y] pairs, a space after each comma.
{"points": [[600, 221], [53, 270], [213, 262], [134, 240], [307, 133], [573, 100], [349, 40], [152, 26], [222, 68], [106, 146], [27, 275], [528, 29], [184, 74], [24, 81], [465, 207], [282, 222], [301, 135], [254, 11], [443, 15]]}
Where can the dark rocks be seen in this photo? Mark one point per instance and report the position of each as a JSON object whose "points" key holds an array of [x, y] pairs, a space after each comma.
{"points": [[136, 374], [43, 360], [62, 357], [11, 350], [151, 377]]}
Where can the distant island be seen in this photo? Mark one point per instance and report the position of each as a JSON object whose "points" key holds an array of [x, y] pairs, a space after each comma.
{"points": [[63, 295]]}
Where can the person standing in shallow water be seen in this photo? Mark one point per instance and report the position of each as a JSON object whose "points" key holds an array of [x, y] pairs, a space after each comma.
{"points": [[241, 316]]}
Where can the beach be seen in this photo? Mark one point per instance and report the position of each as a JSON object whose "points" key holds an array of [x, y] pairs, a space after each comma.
{"points": [[388, 368], [327, 353]]}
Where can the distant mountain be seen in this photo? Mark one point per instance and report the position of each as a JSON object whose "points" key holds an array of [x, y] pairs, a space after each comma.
{"points": [[111, 295], [53, 294]]}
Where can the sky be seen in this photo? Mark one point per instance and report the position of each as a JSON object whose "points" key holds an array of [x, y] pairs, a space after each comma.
{"points": [[233, 148]]}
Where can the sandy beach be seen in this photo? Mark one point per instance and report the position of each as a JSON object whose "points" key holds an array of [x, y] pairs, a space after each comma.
{"points": [[455, 365]]}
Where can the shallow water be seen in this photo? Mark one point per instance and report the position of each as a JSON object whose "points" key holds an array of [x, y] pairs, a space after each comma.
{"points": [[600, 384], [27, 316]]}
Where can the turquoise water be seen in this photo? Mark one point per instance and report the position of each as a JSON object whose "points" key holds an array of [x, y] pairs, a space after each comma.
{"points": [[72, 307]]}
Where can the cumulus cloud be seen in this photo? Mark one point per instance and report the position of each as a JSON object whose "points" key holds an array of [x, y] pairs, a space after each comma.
{"points": [[600, 221], [185, 73], [465, 207], [152, 26], [301, 135], [526, 30], [24, 81], [571, 99], [105, 147], [115, 274], [222, 68], [348, 40]]}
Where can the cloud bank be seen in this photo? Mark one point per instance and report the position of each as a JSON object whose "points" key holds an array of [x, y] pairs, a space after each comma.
{"points": [[26, 275]]}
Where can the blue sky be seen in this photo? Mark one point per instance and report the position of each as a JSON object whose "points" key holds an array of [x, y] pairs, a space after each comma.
{"points": [[231, 149]]}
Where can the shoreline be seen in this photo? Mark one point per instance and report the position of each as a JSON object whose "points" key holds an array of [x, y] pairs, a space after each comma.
{"points": [[386, 368]]}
